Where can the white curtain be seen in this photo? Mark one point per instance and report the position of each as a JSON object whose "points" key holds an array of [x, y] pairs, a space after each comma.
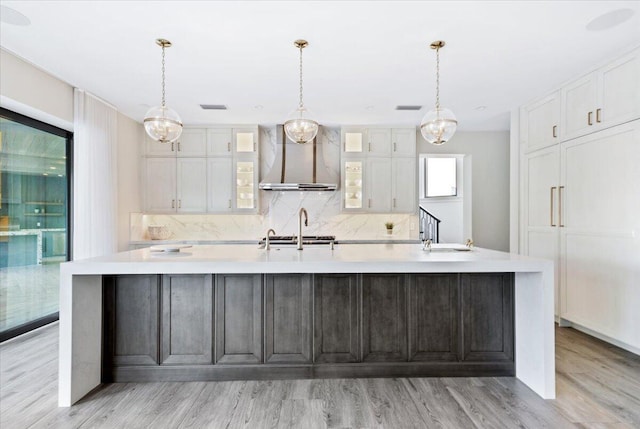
{"points": [[94, 177]]}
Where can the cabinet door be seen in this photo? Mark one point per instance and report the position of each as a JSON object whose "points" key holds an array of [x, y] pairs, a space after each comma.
{"points": [[131, 320], [288, 318], [187, 319], [336, 336], [384, 318], [219, 141], [403, 142], [219, 185], [378, 185], [403, 185], [433, 317], [619, 91], [579, 105], [540, 120], [155, 148], [238, 319], [379, 141], [599, 241], [192, 185], [246, 184], [245, 140], [192, 142], [487, 317], [541, 211], [353, 190], [353, 141], [160, 195]]}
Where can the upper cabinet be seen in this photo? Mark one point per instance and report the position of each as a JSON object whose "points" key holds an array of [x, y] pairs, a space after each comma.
{"points": [[607, 96], [540, 122], [379, 169], [192, 143], [212, 169]]}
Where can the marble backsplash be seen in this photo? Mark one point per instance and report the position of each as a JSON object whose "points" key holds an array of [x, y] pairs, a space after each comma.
{"points": [[280, 212]]}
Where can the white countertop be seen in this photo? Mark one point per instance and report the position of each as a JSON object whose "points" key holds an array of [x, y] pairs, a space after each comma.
{"points": [[344, 258]]}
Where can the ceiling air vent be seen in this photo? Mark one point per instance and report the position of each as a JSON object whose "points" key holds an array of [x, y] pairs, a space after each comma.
{"points": [[213, 106], [408, 107]]}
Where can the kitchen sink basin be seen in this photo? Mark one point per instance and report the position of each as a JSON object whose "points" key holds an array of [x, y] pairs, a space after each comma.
{"points": [[292, 240]]}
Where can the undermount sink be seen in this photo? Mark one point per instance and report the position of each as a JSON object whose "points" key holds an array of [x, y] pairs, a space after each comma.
{"points": [[278, 240], [447, 247]]}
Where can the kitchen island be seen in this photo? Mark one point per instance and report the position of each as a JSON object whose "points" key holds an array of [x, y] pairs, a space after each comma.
{"points": [[224, 312]]}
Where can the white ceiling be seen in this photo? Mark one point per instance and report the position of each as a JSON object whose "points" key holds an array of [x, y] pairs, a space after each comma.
{"points": [[364, 57]]}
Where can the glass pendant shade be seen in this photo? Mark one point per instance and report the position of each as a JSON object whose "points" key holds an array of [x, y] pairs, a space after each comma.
{"points": [[299, 127], [438, 126], [163, 124]]}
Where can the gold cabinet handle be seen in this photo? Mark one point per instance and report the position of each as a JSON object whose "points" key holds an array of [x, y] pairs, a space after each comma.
{"points": [[553, 188], [179, 150], [598, 115], [173, 204], [555, 131], [394, 146], [172, 150], [369, 202], [369, 146], [228, 146], [229, 204], [560, 205], [254, 146], [394, 203], [590, 118], [179, 204]]}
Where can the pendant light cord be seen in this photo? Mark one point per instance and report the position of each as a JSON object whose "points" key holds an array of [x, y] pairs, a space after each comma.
{"points": [[437, 79], [163, 93], [301, 103]]}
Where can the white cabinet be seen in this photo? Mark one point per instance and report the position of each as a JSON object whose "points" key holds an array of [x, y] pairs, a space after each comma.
{"points": [[378, 185], [403, 142], [176, 185], [192, 143], [191, 185], [603, 98], [219, 184], [219, 141], [378, 142], [353, 141], [160, 185], [403, 185], [540, 120], [212, 169]]}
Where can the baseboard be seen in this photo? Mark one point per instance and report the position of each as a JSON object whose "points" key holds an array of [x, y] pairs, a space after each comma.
{"points": [[569, 324]]}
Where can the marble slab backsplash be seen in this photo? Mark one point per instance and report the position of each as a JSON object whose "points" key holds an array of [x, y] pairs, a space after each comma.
{"points": [[280, 212]]}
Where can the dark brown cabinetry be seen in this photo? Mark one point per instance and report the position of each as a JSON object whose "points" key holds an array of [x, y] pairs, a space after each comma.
{"points": [[487, 317], [384, 318], [434, 315], [187, 319], [174, 327], [288, 318], [131, 320], [238, 318], [336, 336]]}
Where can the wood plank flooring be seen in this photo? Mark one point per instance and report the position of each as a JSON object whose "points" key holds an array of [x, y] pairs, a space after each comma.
{"points": [[598, 386]]}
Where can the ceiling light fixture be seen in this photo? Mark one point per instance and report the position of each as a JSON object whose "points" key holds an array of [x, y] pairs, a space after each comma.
{"points": [[162, 123], [300, 128], [439, 124]]}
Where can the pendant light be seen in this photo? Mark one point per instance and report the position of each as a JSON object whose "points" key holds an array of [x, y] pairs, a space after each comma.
{"points": [[439, 124], [162, 123], [300, 128]]}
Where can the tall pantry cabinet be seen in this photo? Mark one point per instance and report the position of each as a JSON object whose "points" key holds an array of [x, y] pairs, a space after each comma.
{"points": [[580, 170]]}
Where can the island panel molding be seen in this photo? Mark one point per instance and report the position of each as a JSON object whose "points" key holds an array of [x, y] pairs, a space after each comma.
{"points": [[289, 278]]}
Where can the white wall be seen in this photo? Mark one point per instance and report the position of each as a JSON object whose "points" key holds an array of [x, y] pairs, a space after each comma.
{"points": [[130, 180], [33, 92], [490, 182]]}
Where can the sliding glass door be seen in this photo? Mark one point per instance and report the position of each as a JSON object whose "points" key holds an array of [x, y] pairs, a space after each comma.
{"points": [[35, 164]]}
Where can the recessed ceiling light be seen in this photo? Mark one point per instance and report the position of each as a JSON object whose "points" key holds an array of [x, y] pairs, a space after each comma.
{"points": [[610, 19], [258, 107], [370, 107], [480, 108], [12, 16]]}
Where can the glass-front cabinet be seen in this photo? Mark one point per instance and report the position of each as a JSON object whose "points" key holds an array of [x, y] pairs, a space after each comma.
{"points": [[353, 174], [246, 185]]}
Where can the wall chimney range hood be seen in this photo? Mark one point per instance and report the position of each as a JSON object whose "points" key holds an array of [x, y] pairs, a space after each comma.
{"points": [[298, 167]]}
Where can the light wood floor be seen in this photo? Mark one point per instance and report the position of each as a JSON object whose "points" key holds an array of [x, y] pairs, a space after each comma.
{"points": [[598, 386]]}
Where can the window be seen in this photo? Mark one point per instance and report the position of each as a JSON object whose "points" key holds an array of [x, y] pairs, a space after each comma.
{"points": [[441, 177], [34, 221]]}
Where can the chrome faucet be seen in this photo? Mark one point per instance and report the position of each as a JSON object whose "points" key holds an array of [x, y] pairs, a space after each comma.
{"points": [[267, 246], [306, 223]]}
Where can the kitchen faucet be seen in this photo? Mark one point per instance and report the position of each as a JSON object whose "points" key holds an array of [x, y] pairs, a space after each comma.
{"points": [[267, 246], [306, 223]]}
